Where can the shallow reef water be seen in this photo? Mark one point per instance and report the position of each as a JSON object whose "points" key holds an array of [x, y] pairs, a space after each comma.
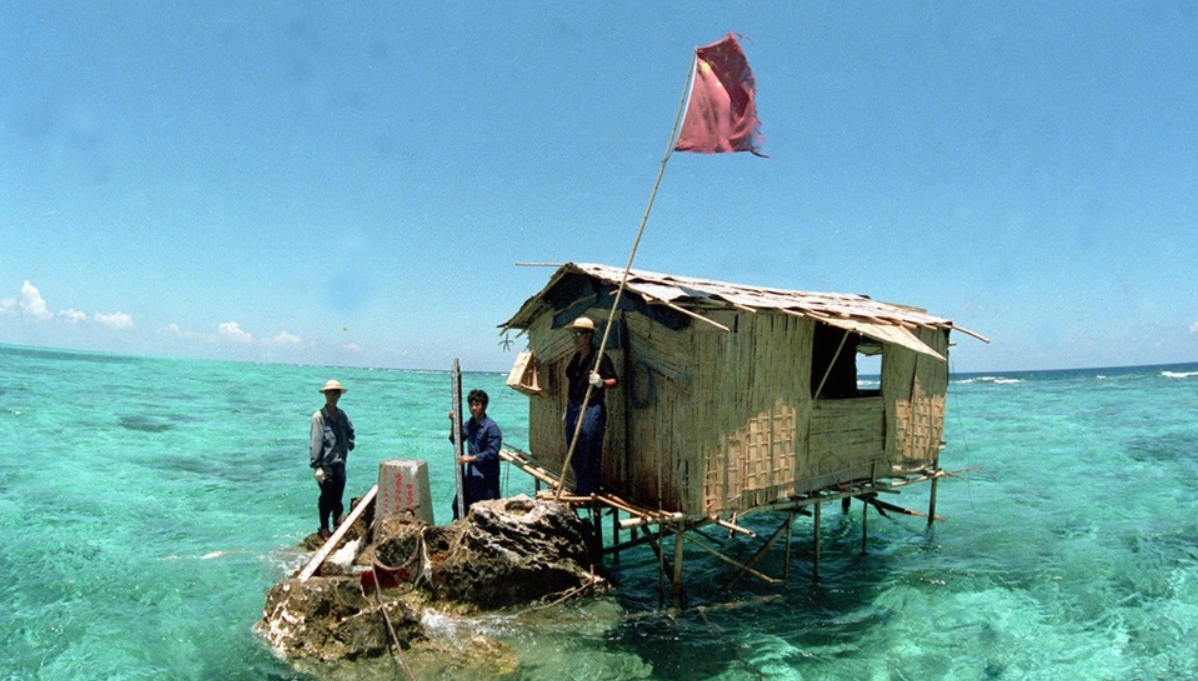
{"points": [[143, 530]]}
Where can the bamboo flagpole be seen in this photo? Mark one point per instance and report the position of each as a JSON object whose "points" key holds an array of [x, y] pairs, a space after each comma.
{"points": [[720, 91], [682, 104]]}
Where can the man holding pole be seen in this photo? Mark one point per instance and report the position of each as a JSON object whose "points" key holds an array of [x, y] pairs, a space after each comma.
{"points": [[483, 442], [581, 374]]}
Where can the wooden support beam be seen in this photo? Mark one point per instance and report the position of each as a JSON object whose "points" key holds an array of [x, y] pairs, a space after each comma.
{"points": [[733, 527], [676, 592], [597, 523], [655, 519], [932, 495], [864, 525], [815, 561], [693, 315], [790, 521], [633, 542], [319, 557], [662, 565], [523, 462], [756, 556], [763, 577], [615, 535], [884, 506]]}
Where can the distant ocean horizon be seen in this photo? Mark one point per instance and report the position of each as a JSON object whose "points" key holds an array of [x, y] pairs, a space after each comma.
{"points": [[149, 503], [956, 374]]}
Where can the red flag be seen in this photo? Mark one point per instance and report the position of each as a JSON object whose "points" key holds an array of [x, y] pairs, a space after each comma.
{"points": [[721, 115]]}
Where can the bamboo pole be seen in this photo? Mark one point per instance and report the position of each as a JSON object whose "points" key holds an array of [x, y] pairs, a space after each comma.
{"points": [[790, 519], [661, 561], [884, 506], [615, 535], [932, 493], [748, 566], [655, 519], [627, 269], [831, 364], [695, 315], [816, 521], [634, 542], [676, 591], [319, 557], [864, 524], [733, 527], [763, 577], [457, 438], [520, 460]]}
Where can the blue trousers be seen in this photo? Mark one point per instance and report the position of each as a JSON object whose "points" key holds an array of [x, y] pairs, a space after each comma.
{"points": [[475, 489], [588, 453]]}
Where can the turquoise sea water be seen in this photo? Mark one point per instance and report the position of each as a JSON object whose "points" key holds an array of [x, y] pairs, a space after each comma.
{"points": [[148, 504]]}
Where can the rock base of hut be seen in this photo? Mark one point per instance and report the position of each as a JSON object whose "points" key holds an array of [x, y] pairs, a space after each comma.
{"points": [[392, 595]]}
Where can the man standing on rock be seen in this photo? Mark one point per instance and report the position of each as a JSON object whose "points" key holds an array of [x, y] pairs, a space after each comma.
{"points": [[480, 480], [331, 439]]}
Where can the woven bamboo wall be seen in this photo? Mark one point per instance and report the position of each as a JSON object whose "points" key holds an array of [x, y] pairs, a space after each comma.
{"points": [[718, 422], [758, 403], [665, 369], [915, 387], [845, 443]]}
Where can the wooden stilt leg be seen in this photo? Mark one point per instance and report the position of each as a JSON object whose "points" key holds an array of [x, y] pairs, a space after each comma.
{"points": [[597, 523], [677, 591], [615, 535], [864, 525], [661, 563], [790, 521], [815, 562], [932, 500]]}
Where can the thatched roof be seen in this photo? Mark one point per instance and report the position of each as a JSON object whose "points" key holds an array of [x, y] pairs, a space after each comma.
{"points": [[883, 322]]}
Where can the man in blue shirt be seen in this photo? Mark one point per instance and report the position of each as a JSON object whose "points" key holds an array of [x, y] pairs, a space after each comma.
{"points": [[482, 438]]}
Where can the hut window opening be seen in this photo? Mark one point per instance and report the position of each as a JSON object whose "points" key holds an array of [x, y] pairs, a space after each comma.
{"points": [[869, 368], [844, 365]]}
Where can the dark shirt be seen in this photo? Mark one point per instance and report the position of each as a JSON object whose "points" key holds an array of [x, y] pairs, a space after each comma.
{"points": [[483, 440], [579, 370]]}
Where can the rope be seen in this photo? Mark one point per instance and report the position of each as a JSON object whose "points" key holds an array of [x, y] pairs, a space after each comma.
{"points": [[393, 640]]}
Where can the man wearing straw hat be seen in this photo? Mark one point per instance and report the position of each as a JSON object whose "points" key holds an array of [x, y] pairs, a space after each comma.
{"points": [[331, 439], [580, 373]]}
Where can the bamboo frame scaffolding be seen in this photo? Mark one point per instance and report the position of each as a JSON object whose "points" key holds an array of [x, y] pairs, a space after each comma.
{"points": [[686, 528]]}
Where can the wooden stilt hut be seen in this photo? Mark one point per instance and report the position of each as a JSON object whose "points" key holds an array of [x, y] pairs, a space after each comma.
{"points": [[736, 398]]}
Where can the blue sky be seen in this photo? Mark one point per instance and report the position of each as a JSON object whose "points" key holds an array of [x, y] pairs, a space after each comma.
{"points": [[354, 183]]}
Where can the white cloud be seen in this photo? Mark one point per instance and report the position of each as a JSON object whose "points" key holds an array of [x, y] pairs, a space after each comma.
{"points": [[73, 316], [1194, 328], [174, 330], [116, 320], [230, 331], [8, 306], [282, 339], [32, 303]]}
